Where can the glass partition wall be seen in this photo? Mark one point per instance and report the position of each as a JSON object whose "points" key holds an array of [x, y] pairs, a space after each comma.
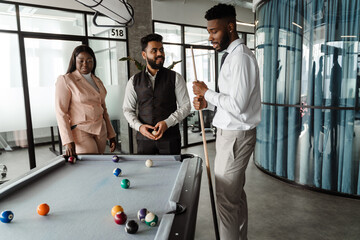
{"points": [[308, 53], [35, 48]]}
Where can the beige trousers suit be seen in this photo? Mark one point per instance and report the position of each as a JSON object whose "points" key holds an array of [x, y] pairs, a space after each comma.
{"points": [[81, 113], [233, 151]]}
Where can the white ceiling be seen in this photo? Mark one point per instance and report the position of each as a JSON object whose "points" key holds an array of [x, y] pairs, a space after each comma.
{"points": [[241, 3]]}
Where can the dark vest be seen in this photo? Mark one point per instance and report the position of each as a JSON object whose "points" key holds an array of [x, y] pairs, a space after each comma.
{"points": [[155, 105]]}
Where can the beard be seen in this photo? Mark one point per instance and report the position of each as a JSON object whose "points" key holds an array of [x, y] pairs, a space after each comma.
{"points": [[224, 43], [153, 63]]}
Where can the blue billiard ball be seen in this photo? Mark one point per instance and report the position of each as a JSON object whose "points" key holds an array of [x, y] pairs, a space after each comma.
{"points": [[115, 158], [117, 172], [125, 183], [142, 214], [6, 216]]}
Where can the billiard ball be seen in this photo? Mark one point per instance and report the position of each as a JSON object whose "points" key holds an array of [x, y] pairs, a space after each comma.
{"points": [[149, 163], [115, 158], [154, 132], [151, 219], [72, 159], [43, 209], [142, 214], [131, 227], [120, 218], [125, 183], [3, 170], [117, 172], [6, 216], [115, 209]]}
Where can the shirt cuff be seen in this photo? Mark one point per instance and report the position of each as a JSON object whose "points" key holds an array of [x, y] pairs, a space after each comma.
{"points": [[137, 126], [209, 96], [169, 122]]}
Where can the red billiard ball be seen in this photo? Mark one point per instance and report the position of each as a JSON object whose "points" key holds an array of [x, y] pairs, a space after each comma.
{"points": [[120, 217], [43, 209], [72, 159]]}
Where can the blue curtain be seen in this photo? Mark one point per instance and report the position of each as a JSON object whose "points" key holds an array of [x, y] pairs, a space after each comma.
{"points": [[308, 52]]}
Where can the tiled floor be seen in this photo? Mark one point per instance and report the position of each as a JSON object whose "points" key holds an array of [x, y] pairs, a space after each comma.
{"points": [[277, 210]]}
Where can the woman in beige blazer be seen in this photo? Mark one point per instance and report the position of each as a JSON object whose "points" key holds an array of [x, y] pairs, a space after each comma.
{"points": [[80, 107]]}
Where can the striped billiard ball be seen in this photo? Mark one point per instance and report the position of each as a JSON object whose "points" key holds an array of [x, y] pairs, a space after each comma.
{"points": [[117, 172], [142, 214], [151, 219]]}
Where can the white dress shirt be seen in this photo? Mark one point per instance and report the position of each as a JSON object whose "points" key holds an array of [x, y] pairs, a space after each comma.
{"points": [[182, 100], [238, 101]]}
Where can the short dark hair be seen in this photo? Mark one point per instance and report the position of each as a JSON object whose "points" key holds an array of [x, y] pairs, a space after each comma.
{"points": [[221, 11], [75, 53], [149, 38]]}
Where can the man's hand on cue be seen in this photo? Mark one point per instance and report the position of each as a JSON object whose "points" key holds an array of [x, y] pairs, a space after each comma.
{"points": [[199, 88], [199, 102]]}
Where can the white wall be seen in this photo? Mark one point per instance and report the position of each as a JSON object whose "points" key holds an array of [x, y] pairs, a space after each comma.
{"points": [[192, 12], [68, 4], [189, 12]]}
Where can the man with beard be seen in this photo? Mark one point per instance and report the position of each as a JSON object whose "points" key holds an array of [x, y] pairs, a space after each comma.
{"points": [[161, 98], [238, 113]]}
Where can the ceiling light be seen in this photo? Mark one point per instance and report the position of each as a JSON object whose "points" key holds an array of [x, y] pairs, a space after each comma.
{"points": [[245, 24], [118, 10]]}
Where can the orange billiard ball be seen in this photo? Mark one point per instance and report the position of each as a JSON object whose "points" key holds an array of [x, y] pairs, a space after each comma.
{"points": [[43, 209], [115, 209]]}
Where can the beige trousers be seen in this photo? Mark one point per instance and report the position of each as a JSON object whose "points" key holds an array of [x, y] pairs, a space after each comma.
{"points": [[233, 150], [87, 143]]}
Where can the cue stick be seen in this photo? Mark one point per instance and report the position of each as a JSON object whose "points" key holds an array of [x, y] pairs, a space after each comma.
{"points": [[207, 160]]}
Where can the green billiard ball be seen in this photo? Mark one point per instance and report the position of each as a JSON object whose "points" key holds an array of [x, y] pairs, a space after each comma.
{"points": [[151, 219], [125, 183]]}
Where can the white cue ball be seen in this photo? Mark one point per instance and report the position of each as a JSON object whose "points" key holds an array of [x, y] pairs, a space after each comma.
{"points": [[149, 163]]}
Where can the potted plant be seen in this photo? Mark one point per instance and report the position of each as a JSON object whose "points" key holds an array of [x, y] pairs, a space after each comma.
{"points": [[141, 66]]}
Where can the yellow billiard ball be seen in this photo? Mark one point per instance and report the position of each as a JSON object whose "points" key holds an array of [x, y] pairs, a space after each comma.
{"points": [[115, 209], [148, 163]]}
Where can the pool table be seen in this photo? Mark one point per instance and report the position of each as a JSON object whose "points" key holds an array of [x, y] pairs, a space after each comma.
{"points": [[81, 197]]}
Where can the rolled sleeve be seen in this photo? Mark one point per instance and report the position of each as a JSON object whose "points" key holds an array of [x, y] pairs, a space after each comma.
{"points": [[182, 100], [129, 106]]}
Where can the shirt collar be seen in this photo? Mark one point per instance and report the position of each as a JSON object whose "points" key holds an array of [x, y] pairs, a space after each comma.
{"points": [[234, 44], [151, 76]]}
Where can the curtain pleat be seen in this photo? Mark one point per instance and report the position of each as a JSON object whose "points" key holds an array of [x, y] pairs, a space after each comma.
{"points": [[309, 51]]}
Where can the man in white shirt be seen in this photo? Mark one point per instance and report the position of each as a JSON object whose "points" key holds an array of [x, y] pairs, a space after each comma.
{"points": [[161, 98], [238, 113]]}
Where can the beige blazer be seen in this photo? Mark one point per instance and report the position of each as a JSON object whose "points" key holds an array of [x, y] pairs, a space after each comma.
{"points": [[78, 103]]}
